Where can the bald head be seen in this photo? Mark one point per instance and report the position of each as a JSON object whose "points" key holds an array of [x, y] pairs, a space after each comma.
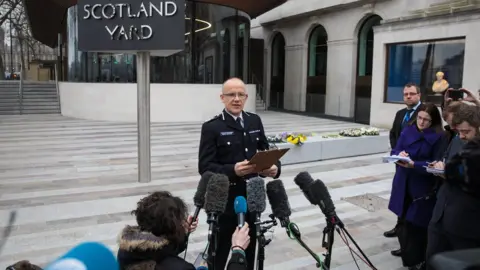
{"points": [[234, 95], [233, 83]]}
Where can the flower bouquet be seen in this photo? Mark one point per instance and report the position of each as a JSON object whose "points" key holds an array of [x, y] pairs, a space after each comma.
{"points": [[296, 139]]}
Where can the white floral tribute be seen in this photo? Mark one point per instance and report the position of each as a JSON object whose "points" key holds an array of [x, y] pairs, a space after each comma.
{"points": [[358, 132]]}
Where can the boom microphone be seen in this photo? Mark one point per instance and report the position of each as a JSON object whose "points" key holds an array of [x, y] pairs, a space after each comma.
{"points": [[304, 180], [256, 199], [216, 199], [240, 206], [277, 196], [321, 197], [199, 197]]}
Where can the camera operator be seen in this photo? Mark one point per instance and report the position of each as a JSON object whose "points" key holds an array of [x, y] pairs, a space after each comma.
{"points": [[455, 222], [161, 233]]}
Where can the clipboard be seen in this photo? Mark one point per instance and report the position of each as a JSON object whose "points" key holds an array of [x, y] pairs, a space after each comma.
{"points": [[265, 159]]}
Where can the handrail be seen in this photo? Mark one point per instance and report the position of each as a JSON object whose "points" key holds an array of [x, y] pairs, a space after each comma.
{"points": [[20, 89], [58, 88]]}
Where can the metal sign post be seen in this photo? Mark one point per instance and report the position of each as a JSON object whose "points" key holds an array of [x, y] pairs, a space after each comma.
{"points": [[145, 28], [143, 117]]}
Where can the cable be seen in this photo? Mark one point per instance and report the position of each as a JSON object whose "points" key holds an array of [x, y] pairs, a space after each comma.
{"points": [[345, 240], [292, 236], [343, 236]]}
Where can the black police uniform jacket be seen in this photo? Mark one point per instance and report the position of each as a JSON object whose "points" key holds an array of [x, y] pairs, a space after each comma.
{"points": [[224, 142]]}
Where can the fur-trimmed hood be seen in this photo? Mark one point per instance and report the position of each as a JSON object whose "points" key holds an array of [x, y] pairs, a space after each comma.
{"points": [[132, 239], [144, 251]]}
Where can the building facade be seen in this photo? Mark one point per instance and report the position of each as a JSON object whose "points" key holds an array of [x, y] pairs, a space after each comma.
{"points": [[352, 58], [216, 48]]}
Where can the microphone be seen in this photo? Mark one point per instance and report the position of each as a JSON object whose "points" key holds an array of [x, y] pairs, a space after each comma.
{"points": [[216, 198], [277, 196], [86, 256], [303, 180], [321, 197], [240, 206], [199, 197], [256, 199]]}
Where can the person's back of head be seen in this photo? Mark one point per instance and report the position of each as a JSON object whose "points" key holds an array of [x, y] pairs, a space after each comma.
{"points": [[23, 265], [159, 237], [163, 215]]}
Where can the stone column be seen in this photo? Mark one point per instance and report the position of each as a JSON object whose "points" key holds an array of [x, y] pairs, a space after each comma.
{"points": [[295, 77], [341, 69]]}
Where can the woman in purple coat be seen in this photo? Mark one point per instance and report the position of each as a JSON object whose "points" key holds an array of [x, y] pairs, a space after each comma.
{"points": [[413, 195]]}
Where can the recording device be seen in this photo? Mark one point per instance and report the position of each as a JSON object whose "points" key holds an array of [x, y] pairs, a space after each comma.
{"points": [[455, 94], [86, 256], [277, 196], [303, 180], [256, 199], [321, 196], [199, 197], [216, 198], [463, 169], [316, 193], [240, 206], [466, 259]]}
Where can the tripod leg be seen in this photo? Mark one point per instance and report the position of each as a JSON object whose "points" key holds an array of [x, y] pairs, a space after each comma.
{"points": [[328, 232], [358, 248]]}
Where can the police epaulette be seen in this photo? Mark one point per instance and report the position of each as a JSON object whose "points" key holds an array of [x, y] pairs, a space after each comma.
{"points": [[213, 118]]}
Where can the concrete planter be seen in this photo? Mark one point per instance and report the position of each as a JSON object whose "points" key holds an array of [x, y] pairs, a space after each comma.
{"points": [[317, 148]]}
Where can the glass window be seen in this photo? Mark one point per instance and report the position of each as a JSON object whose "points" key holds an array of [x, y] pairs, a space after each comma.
{"points": [[419, 62], [216, 48]]}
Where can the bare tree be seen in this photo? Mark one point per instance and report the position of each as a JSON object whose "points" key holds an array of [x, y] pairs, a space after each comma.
{"points": [[7, 7]]}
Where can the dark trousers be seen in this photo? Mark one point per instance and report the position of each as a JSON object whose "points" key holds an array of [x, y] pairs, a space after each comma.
{"points": [[413, 242], [440, 241], [227, 225]]}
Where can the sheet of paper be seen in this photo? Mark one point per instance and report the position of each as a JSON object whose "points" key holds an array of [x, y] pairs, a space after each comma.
{"points": [[435, 171], [395, 158]]}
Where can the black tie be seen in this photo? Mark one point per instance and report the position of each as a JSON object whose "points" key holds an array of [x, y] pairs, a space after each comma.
{"points": [[239, 122]]}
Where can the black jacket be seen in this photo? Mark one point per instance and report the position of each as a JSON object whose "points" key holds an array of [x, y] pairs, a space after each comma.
{"points": [[144, 251], [224, 142], [397, 127]]}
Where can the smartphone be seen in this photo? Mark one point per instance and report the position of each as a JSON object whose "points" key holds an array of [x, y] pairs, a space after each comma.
{"points": [[455, 94]]}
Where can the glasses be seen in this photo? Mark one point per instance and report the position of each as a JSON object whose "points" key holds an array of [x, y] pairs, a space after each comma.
{"points": [[422, 119], [241, 96]]}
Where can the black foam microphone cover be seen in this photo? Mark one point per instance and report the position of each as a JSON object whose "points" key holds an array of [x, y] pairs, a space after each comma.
{"points": [[256, 198], [321, 197], [199, 197], [216, 196], [304, 180], [277, 196]]}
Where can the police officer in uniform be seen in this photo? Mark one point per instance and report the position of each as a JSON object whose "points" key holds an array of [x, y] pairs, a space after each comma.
{"points": [[227, 142]]}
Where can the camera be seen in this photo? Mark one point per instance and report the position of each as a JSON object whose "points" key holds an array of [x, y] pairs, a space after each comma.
{"points": [[463, 168]]}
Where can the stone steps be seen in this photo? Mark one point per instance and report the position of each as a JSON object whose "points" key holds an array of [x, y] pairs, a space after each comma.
{"points": [[34, 98]]}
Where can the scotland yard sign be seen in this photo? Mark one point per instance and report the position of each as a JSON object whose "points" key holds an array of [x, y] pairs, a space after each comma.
{"points": [[131, 26]]}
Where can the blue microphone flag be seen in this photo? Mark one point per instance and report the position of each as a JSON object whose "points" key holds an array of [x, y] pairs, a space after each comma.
{"points": [[86, 256]]}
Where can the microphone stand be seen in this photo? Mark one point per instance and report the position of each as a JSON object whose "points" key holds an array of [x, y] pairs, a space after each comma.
{"points": [[262, 241], [292, 230], [334, 223], [212, 220]]}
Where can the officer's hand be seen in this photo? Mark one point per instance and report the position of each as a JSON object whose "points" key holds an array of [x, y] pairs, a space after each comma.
{"points": [[240, 238], [242, 168], [270, 172]]}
